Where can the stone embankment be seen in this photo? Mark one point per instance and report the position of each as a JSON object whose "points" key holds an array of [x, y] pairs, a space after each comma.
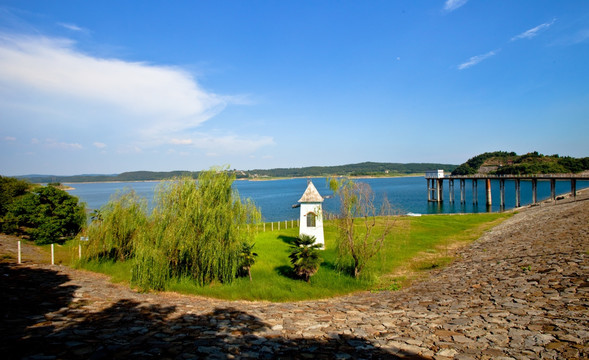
{"points": [[519, 292]]}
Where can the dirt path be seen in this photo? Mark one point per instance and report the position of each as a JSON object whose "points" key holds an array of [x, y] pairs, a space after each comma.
{"points": [[521, 291]]}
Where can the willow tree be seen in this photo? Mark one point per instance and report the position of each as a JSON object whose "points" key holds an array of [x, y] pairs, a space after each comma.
{"points": [[362, 225], [113, 230], [197, 229]]}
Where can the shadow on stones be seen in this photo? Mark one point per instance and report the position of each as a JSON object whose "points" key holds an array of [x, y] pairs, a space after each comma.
{"points": [[41, 322], [28, 294], [130, 330]]}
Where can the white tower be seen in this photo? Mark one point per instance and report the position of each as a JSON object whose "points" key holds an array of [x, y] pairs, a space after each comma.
{"points": [[312, 214]]}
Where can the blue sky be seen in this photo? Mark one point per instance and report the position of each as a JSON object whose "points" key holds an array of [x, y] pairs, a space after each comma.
{"points": [[112, 86]]}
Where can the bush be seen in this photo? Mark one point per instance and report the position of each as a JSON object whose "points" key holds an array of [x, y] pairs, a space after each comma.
{"points": [[47, 214], [10, 190], [304, 257]]}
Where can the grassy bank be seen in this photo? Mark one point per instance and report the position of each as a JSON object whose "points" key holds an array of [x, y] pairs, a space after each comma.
{"points": [[417, 245]]}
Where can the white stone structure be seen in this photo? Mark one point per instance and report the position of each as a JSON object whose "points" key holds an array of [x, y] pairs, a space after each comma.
{"points": [[434, 174], [312, 214]]}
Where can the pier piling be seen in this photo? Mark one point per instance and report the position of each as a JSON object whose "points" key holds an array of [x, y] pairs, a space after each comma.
{"points": [[488, 188], [517, 193], [475, 196], [502, 193], [435, 186]]}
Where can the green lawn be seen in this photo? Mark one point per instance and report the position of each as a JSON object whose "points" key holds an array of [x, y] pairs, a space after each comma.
{"points": [[417, 245]]}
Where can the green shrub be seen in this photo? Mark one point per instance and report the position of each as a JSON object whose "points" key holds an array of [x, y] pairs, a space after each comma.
{"points": [[47, 214], [304, 256]]}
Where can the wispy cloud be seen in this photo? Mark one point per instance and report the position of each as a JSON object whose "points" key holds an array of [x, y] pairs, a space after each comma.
{"points": [[181, 141], [64, 99], [153, 98], [451, 5], [9, 138], [528, 34], [231, 144], [50, 143], [72, 27], [144, 102], [476, 59], [576, 38]]}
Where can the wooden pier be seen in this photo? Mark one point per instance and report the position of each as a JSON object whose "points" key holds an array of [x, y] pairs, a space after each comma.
{"points": [[435, 185]]}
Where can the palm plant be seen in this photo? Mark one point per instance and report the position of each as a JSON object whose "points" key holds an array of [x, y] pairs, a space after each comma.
{"points": [[304, 256], [247, 258]]}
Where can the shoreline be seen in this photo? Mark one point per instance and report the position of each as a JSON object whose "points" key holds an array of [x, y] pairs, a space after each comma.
{"points": [[258, 179]]}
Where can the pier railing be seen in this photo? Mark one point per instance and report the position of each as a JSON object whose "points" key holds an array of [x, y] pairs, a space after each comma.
{"points": [[435, 185], [522, 177]]}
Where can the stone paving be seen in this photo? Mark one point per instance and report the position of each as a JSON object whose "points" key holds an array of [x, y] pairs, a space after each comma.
{"points": [[519, 292]]}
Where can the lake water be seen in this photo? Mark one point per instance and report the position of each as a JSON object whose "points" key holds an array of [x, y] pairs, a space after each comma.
{"points": [[407, 194]]}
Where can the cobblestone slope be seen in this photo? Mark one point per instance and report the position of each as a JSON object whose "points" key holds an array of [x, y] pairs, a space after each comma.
{"points": [[519, 292]]}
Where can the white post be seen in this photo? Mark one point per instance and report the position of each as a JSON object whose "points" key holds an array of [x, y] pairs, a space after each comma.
{"points": [[279, 225], [52, 255], [291, 223], [264, 227], [272, 226], [19, 253], [285, 224], [80, 251]]}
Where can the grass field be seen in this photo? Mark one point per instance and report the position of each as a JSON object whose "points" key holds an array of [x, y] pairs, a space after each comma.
{"points": [[417, 245]]}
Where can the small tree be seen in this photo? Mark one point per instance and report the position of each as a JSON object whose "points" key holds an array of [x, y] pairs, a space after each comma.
{"points": [[362, 228], [247, 258], [10, 190], [304, 256], [48, 214]]}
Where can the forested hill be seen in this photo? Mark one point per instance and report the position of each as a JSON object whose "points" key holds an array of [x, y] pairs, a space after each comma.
{"points": [[509, 163], [361, 169]]}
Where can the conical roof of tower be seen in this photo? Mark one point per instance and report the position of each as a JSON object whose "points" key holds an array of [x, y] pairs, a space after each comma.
{"points": [[311, 194]]}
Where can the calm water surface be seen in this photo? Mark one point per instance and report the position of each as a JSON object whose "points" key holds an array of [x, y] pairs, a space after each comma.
{"points": [[276, 197]]}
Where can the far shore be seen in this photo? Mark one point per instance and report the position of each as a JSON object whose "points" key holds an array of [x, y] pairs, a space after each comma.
{"points": [[256, 179]]}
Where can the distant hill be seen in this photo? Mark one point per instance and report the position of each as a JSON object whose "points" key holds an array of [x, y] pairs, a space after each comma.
{"points": [[509, 163], [361, 169], [126, 176]]}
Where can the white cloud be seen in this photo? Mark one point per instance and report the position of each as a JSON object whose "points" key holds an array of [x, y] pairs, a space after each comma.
{"points": [[181, 141], [476, 59], [9, 138], [528, 34], [231, 144], [72, 27], [143, 102], [64, 99], [129, 149], [55, 144], [576, 38], [451, 5]]}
